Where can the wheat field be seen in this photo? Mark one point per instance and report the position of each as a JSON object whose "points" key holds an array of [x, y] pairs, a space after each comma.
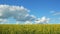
{"points": [[30, 29]]}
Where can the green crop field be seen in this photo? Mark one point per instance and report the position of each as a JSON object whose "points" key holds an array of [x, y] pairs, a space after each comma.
{"points": [[30, 29]]}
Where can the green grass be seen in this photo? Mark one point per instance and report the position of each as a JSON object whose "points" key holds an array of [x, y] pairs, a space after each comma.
{"points": [[30, 29]]}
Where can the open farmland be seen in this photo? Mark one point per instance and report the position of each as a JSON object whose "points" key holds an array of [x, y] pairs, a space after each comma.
{"points": [[30, 29]]}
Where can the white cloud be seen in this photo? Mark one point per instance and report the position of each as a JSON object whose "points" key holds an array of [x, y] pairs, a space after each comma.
{"points": [[28, 22], [3, 21], [19, 13], [1, 14], [8, 11], [42, 20], [17, 22], [57, 13]]}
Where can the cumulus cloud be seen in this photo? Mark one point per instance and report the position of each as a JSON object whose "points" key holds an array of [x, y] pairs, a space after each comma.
{"points": [[17, 12], [28, 22], [3, 21], [17, 22], [25, 18], [42, 20], [8, 11], [20, 13]]}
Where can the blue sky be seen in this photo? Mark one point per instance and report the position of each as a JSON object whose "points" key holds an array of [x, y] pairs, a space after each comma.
{"points": [[39, 8]]}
